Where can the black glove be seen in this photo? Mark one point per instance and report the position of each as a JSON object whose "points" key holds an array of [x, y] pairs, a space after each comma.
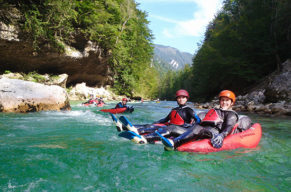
{"points": [[217, 140], [130, 109]]}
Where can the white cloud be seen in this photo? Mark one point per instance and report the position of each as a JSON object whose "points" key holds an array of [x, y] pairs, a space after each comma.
{"points": [[165, 19], [167, 33], [195, 26]]}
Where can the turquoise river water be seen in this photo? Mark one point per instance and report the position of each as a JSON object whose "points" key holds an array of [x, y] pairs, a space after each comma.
{"points": [[80, 150]]}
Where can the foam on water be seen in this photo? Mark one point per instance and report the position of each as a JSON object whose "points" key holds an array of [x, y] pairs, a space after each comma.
{"points": [[80, 150]]}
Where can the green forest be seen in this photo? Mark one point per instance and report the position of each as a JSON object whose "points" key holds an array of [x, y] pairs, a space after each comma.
{"points": [[117, 26], [245, 42]]}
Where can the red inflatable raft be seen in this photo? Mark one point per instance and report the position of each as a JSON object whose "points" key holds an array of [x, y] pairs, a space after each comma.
{"points": [[100, 104], [114, 111], [246, 139], [87, 104], [93, 104]]}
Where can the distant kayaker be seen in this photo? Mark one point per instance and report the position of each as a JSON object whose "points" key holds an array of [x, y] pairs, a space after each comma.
{"points": [[91, 100], [122, 104], [217, 124], [176, 122], [100, 100]]}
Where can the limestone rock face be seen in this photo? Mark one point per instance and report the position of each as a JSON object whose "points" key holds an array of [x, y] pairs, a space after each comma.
{"points": [[24, 96], [60, 80], [82, 60], [279, 87], [82, 92]]}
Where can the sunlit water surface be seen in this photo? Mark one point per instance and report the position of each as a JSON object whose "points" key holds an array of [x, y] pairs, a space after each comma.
{"points": [[80, 150]]}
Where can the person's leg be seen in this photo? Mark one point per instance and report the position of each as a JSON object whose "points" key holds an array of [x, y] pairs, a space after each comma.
{"points": [[147, 128], [175, 130], [119, 125], [145, 133], [152, 137], [172, 130], [167, 131], [190, 134]]}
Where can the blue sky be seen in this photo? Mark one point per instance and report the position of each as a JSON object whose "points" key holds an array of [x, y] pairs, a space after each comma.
{"points": [[179, 23]]}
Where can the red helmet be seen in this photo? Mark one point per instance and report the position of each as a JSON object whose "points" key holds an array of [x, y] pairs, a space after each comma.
{"points": [[228, 94], [124, 99], [182, 92]]}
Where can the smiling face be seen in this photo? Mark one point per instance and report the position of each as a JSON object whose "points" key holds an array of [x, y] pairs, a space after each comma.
{"points": [[182, 100], [124, 102], [225, 103]]}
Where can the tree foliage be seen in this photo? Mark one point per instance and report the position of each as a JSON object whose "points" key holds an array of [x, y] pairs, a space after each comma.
{"points": [[117, 26], [245, 42]]}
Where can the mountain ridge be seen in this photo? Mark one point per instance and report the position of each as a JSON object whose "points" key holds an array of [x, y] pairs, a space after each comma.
{"points": [[170, 58]]}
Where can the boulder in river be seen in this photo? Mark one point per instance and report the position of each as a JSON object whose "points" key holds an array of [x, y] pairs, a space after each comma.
{"points": [[24, 96]]}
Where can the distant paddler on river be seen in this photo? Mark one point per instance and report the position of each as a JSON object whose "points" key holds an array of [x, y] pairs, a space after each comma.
{"points": [[120, 107], [123, 104], [97, 101]]}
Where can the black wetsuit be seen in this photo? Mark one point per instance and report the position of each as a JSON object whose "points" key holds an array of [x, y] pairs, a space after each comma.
{"points": [[120, 105], [90, 101], [178, 121], [99, 101], [207, 129]]}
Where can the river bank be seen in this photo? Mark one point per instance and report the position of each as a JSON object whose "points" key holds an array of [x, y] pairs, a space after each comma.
{"points": [[32, 92], [271, 96], [273, 109], [254, 102]]}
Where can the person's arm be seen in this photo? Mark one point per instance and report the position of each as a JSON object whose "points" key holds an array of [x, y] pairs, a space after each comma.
{"points": [[192, 118], [118, 106], [229, 121]]}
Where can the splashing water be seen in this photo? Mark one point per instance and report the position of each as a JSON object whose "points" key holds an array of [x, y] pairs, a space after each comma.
{"points": [[80, 150]]}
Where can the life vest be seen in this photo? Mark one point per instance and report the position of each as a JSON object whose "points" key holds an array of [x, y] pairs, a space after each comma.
{"points": [[212, 118], [175, 118], [120, 105]]}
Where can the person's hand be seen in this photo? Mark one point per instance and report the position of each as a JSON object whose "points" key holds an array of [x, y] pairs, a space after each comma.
{"points": [[217, 140]]}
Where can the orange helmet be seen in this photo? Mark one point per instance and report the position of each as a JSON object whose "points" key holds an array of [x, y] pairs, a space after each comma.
{"points": [[182, 92], [124, 99], [228, 94]]}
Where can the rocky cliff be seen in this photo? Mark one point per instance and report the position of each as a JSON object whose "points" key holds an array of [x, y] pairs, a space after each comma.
{"points": [[82, 60], [271, 96]]}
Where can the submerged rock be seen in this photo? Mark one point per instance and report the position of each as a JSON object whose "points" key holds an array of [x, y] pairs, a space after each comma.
{"points": [[24, 96]]}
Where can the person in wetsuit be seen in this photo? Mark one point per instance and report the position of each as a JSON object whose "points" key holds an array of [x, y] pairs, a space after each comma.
{"points": [[90, 101], [122, 104], [176, 122], [100, 100], [217, 124]]}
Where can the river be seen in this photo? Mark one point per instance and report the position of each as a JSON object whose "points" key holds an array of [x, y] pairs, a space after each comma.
{"points": [[80, 150]]}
